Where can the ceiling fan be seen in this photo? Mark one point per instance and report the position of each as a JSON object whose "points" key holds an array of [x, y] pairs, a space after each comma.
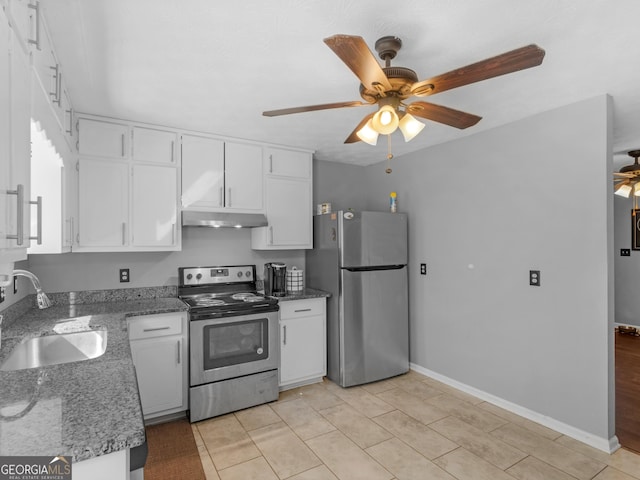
{"points": [[628, 178], [388, 87]]}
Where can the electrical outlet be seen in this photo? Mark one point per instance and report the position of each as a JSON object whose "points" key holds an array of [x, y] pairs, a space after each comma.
{"points": [[124, 275], [625, 252], [423, 269], [2, 294], [534, 278]]}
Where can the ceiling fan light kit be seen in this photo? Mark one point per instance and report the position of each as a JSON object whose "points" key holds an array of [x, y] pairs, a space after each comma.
{"points": [[388, 87], [628, 178]]}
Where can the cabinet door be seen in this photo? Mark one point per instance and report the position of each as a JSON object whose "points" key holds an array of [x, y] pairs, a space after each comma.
{"points": [[158, 365], [5, 137], [288, 163], [153, 207], [202, 172], [152, 145], [243, 176], [105, 139], [22, 15], [289, 212], [103, 193], [302, 349]]}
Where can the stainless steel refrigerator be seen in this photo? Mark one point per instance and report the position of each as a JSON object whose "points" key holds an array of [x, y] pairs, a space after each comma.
{"points": [[361, 259]]}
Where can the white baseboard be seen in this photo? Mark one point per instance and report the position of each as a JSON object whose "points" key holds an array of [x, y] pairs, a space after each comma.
{"points": [[606, 445]]}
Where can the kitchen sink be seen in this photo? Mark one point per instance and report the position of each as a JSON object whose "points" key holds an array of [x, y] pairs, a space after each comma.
{"points": [[56, 349]]}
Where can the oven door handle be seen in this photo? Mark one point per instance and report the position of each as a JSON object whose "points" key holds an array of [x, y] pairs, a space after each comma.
{"points": [[155, 329], [284, 335]]}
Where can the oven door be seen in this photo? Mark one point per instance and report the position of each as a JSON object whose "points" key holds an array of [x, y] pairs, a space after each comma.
{"points": [[230, 347]]}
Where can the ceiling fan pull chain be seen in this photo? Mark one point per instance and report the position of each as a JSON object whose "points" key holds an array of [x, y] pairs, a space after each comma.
{"points": [[389, 154]]}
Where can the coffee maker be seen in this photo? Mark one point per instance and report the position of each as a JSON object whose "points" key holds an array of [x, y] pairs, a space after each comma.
{"points": [[275, 279]]}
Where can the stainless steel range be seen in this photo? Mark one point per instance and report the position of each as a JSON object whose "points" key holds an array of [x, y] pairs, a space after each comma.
{"points": [[233, 340]]}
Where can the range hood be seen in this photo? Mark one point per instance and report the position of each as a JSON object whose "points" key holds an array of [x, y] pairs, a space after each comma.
{"points": [[223, 220]]}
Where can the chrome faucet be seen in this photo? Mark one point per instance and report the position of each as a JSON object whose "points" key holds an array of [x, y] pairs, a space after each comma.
{"points": [[41, 297]]}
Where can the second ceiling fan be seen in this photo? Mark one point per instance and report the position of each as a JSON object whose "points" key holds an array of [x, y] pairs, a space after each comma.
{"points": [[389, 87]]}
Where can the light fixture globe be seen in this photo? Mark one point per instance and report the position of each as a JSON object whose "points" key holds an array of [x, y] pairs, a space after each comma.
{"points": [[385, 121], [410, 127], [368, 134]]}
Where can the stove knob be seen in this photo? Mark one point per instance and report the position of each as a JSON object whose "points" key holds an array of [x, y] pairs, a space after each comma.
{"points": [[248, 274], [189, 276], [239, 274], [198, 276]]}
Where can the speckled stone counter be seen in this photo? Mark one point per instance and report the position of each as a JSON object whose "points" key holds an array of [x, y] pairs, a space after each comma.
{"points": [[306, 293], [86, 408]]}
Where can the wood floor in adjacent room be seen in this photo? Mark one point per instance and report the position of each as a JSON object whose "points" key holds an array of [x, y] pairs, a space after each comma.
{"points": [[408, 427], [628, 391]]}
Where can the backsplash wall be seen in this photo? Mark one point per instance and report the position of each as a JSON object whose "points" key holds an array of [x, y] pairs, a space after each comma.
{"points": [[200, 247]]}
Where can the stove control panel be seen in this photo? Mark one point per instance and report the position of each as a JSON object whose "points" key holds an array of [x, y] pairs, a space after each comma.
{"points": [[213, 275]]}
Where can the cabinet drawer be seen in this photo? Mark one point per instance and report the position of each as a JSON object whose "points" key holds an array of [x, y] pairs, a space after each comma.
{"points": [[302, 308], [150, 326]]}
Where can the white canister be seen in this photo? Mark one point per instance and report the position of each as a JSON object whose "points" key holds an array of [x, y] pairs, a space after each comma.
{"points": [[295, 280]]}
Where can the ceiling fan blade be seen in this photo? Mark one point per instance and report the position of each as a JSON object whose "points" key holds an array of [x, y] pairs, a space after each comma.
{"points": [[311, 108], [509, 62], [624, 174], [440, 114], [353, 51], [353, 138]]}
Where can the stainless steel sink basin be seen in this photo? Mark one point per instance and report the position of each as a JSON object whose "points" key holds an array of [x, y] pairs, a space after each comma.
{"points": [[56, 349]]}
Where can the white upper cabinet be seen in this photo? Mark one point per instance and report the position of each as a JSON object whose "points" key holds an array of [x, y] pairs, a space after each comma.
{"points": [[102, 138], [288, 202], [127, 190], [153, 145], [221, 176], [23, 19], [202, 172], [243, 176]]}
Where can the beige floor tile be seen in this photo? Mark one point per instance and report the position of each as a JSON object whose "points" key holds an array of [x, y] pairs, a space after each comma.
{"points": [[359, 428], [304, 420], [415, 385], [626, 461], [533, 469], [467, 412], [285, 452], [317, 473], [257, 468], [257, 417], [583, 448], [559, 456], [345, 459], [362, 400], [227, 442], [405, 463], [464, 465], [611, 473], [518, 420], [318, 397], [423, 439], [453, 391], [381, 386], [412, 405], [209, 468], [478, 442]]}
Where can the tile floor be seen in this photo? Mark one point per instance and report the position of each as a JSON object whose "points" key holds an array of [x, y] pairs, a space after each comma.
{"points": [[405, 428]]}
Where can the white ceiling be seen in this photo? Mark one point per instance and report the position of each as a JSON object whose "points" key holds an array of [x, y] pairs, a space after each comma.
{"points": [[216, 65]]}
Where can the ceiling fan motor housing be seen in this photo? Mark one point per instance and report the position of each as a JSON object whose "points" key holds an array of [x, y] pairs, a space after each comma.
{"points": [[401, 80]]}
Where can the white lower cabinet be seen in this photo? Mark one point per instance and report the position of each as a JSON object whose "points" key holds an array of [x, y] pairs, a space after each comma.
{"points": [[303, 342], [159, 351]]}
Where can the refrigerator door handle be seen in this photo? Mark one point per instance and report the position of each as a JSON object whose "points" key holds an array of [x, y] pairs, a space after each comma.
{"points": [[373, 269]]}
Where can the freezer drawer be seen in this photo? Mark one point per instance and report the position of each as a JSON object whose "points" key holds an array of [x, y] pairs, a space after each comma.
{"points": [[374, 326]]}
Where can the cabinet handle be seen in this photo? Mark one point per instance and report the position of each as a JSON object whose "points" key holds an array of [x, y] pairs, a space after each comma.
{"points": [[70, 131], [173, 234], [155, 329], [172, 151], [122, 143], [179, 359], [221, 197], [58, 99], [36, 42], [271, 235], [303, 310], [271, 163], [38, 237], [54, 94], [19, 193], [124, 228], [284, 335], [229, 197]]}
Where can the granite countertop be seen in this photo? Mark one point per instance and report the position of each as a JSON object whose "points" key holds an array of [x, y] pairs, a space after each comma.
{"points": [[86, 408], [306, 293]]}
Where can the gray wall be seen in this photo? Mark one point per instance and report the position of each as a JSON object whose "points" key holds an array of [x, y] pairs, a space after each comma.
{"points": [[627, 268], [200, 247], [483, 211]]}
